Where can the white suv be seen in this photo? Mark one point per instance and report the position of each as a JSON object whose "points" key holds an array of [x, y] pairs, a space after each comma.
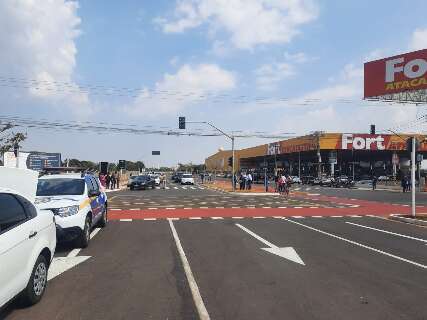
{"points": [[187, 178], [27, 238], [78, 202]]}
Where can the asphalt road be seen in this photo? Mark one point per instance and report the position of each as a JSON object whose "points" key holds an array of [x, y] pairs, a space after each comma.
{"points": [[325, 268]]}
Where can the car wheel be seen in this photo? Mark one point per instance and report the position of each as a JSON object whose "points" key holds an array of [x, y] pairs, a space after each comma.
{"points": [[37, 284], [84, 238], [104, 219]]}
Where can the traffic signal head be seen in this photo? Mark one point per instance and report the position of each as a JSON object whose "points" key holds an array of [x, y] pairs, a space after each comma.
{"points": [[181, 122], [230, 161], [372, 128]]}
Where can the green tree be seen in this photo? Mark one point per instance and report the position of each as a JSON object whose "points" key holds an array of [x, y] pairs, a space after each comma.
{"points": [[9, 138]]}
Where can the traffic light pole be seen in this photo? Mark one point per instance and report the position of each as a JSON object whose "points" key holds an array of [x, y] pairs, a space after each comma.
{"points": [[231, 137]]}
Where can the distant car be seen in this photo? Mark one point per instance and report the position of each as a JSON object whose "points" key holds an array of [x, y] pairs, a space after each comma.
{"points": [[156, 179], [79, 203], [315, 181], [327, 181], [141, 182], [178, 176], [307, 179], [296, 179], [27, 238], [383, 178], [187, 178]]}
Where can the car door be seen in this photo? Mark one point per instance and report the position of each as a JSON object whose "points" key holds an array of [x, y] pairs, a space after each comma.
{"points": [[100, 199], [17, 239], [95, 202]]}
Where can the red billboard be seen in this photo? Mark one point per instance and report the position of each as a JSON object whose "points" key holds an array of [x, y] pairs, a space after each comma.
{"points": [[395, 74]]}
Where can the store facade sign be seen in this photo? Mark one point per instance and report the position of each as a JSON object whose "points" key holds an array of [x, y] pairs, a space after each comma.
{"points": [[362, 142], [405, 72]]}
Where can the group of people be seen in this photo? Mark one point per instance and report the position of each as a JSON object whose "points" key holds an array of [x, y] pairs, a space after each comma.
{"points": [[245, 181], [283, 183], [406, 184], [110, 181]]}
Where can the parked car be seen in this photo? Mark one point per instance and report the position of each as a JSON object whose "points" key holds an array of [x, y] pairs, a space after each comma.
{"points": [[326, 181], [187, 178], [296, 179], [383, 178], [178, 176], [27, 238], [307, 179], [142, 182], [156, 179], [78, 202], [315, 181]]}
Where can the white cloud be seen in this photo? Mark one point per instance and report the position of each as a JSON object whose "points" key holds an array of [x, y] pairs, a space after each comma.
{"points": [[191, 84], [268, 76], [418, 39], [248, 22], [299, 57], [38, 43]]}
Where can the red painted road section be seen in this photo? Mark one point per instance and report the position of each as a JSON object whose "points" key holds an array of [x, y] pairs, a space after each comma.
{"points": [[364, 208]]}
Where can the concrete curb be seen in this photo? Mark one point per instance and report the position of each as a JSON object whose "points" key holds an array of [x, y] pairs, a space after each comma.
{"points": [[399, 217]]}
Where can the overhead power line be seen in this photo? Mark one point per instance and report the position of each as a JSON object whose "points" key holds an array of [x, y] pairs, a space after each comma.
{"points": [[64, 87], [104, 128]]}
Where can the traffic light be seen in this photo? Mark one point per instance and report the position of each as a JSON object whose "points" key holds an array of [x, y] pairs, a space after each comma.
{"points": [[372, 128], [181, 122], [409, 144], [230, 161], [122, 164]]}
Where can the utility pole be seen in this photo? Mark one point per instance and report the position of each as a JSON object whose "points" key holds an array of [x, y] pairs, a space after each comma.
{"points": [[413, 174], [319, 158]]}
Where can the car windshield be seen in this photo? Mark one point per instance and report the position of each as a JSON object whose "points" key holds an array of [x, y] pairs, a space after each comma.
{"points": [[187, 176], [143, 178], [60, 187]]}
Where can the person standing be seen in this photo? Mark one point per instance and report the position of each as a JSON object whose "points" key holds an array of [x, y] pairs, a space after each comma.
{"points": [[102, 179], [403, 184], [118, 181], [113, 181], [249, 178], [108, 180], [374, 182]]}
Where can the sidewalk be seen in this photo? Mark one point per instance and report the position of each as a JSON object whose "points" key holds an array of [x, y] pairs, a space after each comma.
{"points": [[227, 187]]}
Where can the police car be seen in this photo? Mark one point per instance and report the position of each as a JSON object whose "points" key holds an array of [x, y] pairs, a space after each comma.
{"points": [[78, 202]]}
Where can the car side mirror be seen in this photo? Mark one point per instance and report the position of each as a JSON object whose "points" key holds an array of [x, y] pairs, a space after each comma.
{"points": [[94, 193]]}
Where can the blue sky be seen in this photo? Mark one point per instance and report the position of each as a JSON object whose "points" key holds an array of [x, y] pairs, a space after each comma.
{"points": [[285, 50]]}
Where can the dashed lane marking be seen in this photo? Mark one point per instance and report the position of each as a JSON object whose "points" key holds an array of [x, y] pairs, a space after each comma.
{"points": [[258, 217], [298, 217], [125, 220], [317, 216], [150, 219], [336, 216], [237, 217], [217, 218], [195, 218]]}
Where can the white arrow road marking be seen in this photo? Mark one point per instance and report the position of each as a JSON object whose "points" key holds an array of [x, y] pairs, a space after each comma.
{"points": [[61, 264], [285, 252], [388, 232], [358, 244]]}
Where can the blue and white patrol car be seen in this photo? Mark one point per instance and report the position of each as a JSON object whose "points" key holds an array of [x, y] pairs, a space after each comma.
{"points": [[78, 201]]}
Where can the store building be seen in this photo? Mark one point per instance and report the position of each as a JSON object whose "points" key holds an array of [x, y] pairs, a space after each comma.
{"points": [[320, 153]]}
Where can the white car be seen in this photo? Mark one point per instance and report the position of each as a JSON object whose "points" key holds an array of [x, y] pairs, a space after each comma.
{"points": [[27, 238], [78, 202], [156, 179], [187, 178], [296, 179]]}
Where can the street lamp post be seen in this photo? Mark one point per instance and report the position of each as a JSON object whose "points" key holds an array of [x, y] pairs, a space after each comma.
{"points": [[231, 137]]}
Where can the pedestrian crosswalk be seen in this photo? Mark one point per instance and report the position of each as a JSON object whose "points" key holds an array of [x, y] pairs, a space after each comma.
{"points": [[182, 187]]}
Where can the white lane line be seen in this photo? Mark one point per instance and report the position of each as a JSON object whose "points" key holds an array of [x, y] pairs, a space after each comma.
{"points": [[173, 218], [336, 216], [266, 207], [115, 209], [297, 217], [195, 218], [170, 208], [195, 292], [354, 206], [388, 232], [235, 207], [125, 220], [278, 217], [355, 216], [188, 208], [176, 188], [219, 207], [153, 208], [237, 217], [282, 207], [73, 253], [134, 209], [268, 244], [217, 218], [297, 207], [317, 216], [314, 207], [358, 244], [204, 208], [150, 219], [313, 194], [259, 217]]}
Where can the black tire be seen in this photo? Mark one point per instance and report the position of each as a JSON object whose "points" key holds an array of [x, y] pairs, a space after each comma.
{"points": [[36, 286], [104, 219], [84, 237]]}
